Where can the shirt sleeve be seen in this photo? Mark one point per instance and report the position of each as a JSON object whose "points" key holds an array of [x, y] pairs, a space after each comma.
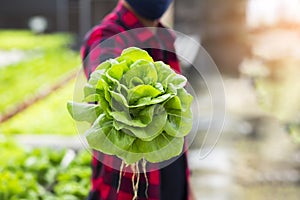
{"points": [[101, 44]]}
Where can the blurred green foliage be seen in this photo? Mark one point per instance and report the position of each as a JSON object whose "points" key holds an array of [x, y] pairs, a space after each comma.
{"points": [[43, 67], [48, 116], [48, 60], [26, 40], [38, 174]]}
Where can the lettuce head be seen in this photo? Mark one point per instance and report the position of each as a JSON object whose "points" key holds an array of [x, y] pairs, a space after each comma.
{"points": [[137, 108]]}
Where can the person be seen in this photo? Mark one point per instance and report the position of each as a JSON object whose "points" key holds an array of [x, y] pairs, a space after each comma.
{"points": [[170, 182]]}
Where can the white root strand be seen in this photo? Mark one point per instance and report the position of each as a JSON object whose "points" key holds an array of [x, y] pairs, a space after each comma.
{"points": [[144, 163], [136, 178], [133, 168], [120, 175]]}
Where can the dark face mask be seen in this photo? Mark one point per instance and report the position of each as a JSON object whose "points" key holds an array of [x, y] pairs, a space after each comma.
{"points": [[150, 9]]}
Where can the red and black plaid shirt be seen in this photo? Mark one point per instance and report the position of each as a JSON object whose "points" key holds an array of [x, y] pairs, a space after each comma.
{"points": [[98, 48]]}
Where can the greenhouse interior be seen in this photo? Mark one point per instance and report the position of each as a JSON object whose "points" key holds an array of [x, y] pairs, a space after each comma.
{"points": [[245, 140]]}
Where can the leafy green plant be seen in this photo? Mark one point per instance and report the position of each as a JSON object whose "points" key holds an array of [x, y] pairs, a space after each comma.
{"points": [[20, 81], [37, 173], [49, 61], [143, 110], [47, 116]]}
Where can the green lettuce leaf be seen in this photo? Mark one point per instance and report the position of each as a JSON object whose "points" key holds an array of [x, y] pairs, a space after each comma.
{"points": [[180, 120], [148, 132], [116, 70], [143, 70], [83, 111], [142, 91], [133, 54], [104, 137]]}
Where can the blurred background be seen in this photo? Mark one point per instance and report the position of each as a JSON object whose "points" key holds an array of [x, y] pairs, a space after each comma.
{"points": [[255, 45]]}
